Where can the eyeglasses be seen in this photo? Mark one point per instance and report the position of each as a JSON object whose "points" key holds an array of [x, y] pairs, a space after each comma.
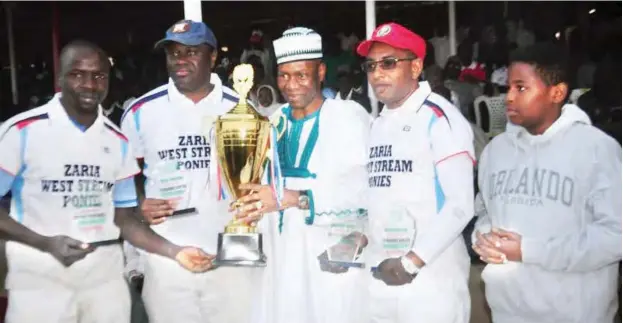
{"points": [[387, 63]]}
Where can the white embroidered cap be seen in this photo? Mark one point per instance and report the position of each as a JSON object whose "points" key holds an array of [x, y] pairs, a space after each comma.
{"points": [[298, 43]]}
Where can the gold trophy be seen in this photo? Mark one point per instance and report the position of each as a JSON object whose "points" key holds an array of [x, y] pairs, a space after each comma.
{"points": [[242, 137]]}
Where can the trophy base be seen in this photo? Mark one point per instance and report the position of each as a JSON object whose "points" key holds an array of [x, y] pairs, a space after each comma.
{"points": [[240, 263], [240, 250]]}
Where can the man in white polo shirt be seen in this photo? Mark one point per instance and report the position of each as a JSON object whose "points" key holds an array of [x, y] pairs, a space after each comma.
{"points": [[167, 128], [421, 187], [70, 172]]}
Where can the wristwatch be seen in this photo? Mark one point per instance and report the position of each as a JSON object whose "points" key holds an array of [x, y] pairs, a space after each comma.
{"points": [[303, 202], [409, 266]]}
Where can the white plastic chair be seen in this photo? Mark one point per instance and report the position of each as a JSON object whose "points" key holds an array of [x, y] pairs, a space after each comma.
{"points": [[576, 94], [496, 106]]}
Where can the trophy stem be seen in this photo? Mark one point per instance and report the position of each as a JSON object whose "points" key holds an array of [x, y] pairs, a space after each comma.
{"points": [[239, 228], [236, 227]]}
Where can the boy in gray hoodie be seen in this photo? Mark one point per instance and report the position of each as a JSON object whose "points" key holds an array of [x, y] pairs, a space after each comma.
{"points": [[549, 207]]}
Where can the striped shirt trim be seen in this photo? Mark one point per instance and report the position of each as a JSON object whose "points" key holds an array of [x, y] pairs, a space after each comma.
{"points": [[437, 110], [24, 123], [130, 202], [116, 132], [464, 152], [229, 97], [138, 104], [21, 124]]}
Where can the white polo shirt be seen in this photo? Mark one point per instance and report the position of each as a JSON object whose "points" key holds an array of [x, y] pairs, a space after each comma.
{"points": [[64, 180], [164, 125], [407, 145]]}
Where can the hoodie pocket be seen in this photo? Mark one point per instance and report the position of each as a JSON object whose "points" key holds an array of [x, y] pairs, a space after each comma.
{"points": [[530, 292]]}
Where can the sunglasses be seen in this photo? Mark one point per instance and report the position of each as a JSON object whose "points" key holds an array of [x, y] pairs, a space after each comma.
{"points": [[386, 64]]}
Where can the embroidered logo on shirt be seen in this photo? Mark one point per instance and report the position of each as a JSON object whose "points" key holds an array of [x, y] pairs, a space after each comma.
{"points": [[106, 150], [406, 128]]}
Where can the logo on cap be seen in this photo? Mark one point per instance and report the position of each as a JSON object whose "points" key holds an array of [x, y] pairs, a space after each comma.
{"points": [[180, 28], [383, 31]]}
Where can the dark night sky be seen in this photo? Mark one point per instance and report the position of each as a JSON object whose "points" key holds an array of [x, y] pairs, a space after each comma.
{"points": [[109, 23]]}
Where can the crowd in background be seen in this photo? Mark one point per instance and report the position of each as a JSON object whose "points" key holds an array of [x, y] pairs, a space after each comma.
{"points": [[478, 69], [468, 79]]}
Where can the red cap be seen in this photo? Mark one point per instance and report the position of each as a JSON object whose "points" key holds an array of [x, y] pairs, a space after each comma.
{"points": [[255, 39], [256, 36], [396, 36]]}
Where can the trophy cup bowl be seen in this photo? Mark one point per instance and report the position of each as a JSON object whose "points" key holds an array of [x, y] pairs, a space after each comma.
{"points": [[242, 138]]}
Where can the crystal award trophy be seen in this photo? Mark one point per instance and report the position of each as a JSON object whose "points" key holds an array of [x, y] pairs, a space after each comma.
{"points": [[347, 228], [172, 183]]}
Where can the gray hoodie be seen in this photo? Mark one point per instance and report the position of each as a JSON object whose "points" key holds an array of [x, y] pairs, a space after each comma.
{"points": [[561, 191]]}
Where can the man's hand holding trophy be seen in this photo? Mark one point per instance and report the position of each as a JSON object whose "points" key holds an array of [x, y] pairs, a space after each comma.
{"points": [[243, 139]]}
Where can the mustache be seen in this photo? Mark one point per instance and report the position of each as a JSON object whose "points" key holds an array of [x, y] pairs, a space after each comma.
{"points": [[174, 68], [89, 94]]}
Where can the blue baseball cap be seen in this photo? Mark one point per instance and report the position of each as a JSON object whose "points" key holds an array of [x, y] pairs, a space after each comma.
{"points": [[189, 33]]}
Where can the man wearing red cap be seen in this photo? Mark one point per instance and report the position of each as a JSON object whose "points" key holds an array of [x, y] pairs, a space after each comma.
{"points": [[421, 176]]}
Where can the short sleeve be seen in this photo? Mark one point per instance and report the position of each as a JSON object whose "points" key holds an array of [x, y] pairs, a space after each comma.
{"points": [[129, 127], [11, 148], [129, 166], [124, 193], [6, 182]]}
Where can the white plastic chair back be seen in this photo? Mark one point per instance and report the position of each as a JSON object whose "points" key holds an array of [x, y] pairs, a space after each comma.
{"points": [[496, 107], [576, 94], [477, 113]]}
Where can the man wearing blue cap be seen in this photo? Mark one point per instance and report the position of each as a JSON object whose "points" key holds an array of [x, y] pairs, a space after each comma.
{"points": [[166, 126]]}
